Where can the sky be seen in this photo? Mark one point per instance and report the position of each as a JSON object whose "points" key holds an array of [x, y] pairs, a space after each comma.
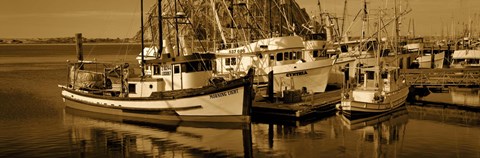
{"points": [[120, 18]]}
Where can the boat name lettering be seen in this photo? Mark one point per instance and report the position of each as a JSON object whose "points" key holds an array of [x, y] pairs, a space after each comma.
{"points": [[297, 73], [235, 51], [223, 94]]}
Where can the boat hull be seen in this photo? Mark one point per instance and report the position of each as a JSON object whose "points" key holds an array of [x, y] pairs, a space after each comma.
{"points": [[311, 75], [223, 106], [426, 61], [353, 109]]}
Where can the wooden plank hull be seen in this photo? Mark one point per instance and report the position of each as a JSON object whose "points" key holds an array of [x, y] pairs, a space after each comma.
{"points": [[352, 108]]}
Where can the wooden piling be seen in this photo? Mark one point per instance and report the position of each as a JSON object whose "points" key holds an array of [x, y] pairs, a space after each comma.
{"points": [[79, 46]]}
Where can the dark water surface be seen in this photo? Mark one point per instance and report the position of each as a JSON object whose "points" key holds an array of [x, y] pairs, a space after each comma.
{"points": [[34, 122]]}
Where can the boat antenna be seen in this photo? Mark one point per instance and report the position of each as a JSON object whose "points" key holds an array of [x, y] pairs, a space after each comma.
{"points": [[160, 28], [143, 45]]}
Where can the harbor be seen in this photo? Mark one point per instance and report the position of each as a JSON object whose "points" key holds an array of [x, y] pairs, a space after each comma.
{"points": [[236, 78]]}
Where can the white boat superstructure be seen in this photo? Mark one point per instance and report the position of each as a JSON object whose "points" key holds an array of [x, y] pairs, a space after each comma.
{"points": [[415, 45], [466, 58], [468, 55], [283, 56]]}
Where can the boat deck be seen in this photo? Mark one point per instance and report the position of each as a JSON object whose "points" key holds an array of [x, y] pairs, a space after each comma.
{"points": [[311, 104]]}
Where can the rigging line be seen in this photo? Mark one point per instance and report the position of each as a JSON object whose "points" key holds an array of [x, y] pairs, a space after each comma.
{"points": [[196, 36], [256, 24], [282, 12], [235, 23], [262, 14]]}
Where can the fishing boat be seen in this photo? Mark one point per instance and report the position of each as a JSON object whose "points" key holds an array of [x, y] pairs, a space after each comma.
{"points": [[283, 57], [425, 61], [380, 89], [465, 58], [468, 55], [180, 87]]}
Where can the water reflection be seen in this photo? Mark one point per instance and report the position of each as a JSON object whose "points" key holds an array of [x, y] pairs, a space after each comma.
{"points": [[465, 96], [384, 131], [102, 136]]}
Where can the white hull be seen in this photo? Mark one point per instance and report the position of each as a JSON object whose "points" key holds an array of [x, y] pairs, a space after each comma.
{"points": [[426, 61], [210, 107], [337, 74], [392, 101], [311, 75]]}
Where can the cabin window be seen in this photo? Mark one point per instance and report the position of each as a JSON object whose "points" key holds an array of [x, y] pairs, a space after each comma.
{"points": [[286, 56], [384, 75], [196, 66], [156, 69], [401, 63], [227, 61], [230, 61], [132, 88], [176, 69], [315, 53], [279, 56], [370, 75], [472, 61]]}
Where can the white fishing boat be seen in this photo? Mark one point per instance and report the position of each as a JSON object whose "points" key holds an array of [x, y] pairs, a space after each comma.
{"points": [[379, 90], [281, 55], [425, 61], [465, 58], [468, 55], [175, 95], [179, 88], [415, 45]]}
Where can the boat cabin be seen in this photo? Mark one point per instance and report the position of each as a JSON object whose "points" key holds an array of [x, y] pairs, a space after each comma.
{"points": [[465, 58], [374, 78], [182, 72]]}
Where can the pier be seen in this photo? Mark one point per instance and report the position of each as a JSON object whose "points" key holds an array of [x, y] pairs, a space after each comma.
{"points": [[442, 77], [310, 104]]}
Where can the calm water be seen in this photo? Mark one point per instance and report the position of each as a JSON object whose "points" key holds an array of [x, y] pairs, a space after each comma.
{"points": [[35, 123]]}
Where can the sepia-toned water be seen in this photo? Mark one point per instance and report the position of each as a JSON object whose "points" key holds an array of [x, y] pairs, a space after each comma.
{"points": [[35, 123]]}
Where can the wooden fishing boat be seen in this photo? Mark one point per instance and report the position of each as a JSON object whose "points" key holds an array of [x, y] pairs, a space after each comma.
{"points": [[181, 86], [147, 98]]}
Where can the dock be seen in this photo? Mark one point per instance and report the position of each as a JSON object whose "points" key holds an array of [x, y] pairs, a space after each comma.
{"points": [[442, 77], [311, 104]]}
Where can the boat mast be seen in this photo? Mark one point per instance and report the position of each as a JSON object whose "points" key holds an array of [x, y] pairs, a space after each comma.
{"points": [[143, 46], [160, 28], [344, 16], [176, 31], [395, 40]]}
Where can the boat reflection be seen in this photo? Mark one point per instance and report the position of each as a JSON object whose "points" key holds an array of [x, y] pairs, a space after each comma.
{"points": [[465, 96], [112, 136], [384, 133], [459, 117]]}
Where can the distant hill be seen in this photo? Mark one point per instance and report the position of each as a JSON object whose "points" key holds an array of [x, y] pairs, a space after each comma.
{"points": [[64, 40]]}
